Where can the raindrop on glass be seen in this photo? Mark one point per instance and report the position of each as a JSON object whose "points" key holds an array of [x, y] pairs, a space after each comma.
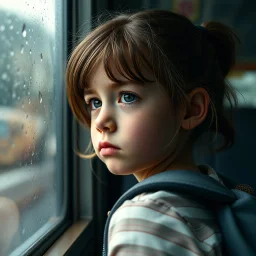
{"points": [[24, 32], [24, 85], [4, 76], [26, 116], [30, 51], [2, 28], [29, 101], [11, 27], [12, 53], [41, 56], [22, 49], [40, 96]]}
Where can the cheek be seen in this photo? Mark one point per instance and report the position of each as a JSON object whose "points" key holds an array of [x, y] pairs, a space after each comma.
{"points": [[93, 138], [154, 129]]}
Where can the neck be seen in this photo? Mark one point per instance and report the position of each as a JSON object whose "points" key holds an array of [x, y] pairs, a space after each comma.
{"points": [[184, 161]]}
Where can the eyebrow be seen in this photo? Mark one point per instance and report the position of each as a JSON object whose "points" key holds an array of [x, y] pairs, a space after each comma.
{"points": [[113, 85]]}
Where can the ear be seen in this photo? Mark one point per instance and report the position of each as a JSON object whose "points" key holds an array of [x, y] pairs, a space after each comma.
{"points": [[196, 110]]}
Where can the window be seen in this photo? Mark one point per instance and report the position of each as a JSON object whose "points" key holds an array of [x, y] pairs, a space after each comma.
{"points": [[32, 60]]}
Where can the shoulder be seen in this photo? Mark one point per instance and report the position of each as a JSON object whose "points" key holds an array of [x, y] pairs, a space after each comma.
{"points": [[157, 221]]}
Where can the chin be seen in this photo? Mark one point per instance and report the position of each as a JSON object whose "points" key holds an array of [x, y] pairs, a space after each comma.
{"points": [[116, 171]]}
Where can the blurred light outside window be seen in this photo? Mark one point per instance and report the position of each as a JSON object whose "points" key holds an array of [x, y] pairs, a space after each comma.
{"points": [[244, 84], [32, 60]]}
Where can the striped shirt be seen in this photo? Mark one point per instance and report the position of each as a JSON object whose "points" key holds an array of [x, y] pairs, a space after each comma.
{"points": [[164, 223]]}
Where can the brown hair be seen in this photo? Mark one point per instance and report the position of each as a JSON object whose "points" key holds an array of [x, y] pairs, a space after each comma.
{"points": [[180, 55]]}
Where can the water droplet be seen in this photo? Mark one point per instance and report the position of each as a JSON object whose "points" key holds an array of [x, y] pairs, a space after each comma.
{"points": [[26, 116], [14, 95], [40, 96], [22, 49], [24, 85], [12, 53], [4, 76], [24, 32], [41, 56], [26, 42], [29, 100], [11, 27], [2, 28], [30, 51], [23, 231]]}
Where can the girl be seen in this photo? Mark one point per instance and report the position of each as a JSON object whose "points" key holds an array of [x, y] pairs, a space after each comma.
{"points": [[148, 85]]}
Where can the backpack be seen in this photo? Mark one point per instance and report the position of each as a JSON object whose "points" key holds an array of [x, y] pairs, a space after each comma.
{"points": [[236, 210]]}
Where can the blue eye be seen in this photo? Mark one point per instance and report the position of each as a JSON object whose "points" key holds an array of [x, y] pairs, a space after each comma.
{"points": [[95, 103], [128, 97]]}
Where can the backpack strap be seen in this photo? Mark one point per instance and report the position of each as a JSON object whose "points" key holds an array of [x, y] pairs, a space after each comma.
{"points": [[236, 210], [238, 225]]}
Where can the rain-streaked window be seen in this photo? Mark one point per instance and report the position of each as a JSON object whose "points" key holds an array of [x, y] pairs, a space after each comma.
{"points": [[32, 61]]}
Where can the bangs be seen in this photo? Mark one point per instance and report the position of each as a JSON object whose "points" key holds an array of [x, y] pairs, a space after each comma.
{"points": [[123, 57]]}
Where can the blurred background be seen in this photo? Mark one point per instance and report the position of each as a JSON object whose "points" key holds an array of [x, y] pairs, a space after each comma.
{"points": [[44, 187]]}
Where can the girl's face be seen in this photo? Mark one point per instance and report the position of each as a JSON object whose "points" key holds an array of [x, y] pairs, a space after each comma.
{"points": [[136, 119]]}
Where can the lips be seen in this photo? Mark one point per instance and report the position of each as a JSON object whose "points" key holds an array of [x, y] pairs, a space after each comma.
{"points": [[105, 144], [107, 149]]}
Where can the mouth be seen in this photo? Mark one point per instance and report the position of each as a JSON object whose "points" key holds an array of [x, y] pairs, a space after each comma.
{"points": [[107, 149]]}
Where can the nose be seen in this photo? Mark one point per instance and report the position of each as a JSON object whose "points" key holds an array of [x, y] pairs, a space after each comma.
{"points": [[105, 121]]}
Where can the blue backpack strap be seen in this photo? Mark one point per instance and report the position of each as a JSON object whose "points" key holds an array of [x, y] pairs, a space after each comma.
{"points": [[232, 211], [238, 225]]}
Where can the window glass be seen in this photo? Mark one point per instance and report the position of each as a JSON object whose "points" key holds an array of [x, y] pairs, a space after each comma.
{"points": [[31, 85]]}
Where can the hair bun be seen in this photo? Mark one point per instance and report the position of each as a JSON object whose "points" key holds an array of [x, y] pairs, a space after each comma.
{"points": [[224, 42]]}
